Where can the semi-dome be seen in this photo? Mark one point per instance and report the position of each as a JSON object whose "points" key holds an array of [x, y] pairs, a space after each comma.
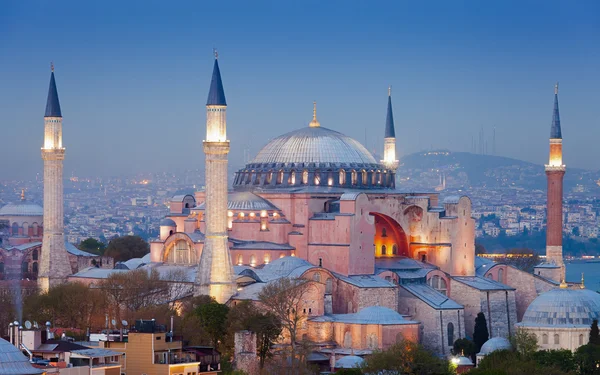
{"points": [[495, 343], [22, 208], [13, 362], [166, 222], [563, 307]]}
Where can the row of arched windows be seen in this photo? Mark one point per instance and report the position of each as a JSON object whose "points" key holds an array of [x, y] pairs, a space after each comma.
{"points": [[35, 229], [377, 177], [252, 259], [500, 275], [25, 267], [438, 283], [392, 251]]}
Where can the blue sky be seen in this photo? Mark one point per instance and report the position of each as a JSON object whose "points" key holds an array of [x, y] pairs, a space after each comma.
{"points": [[133, 76]]}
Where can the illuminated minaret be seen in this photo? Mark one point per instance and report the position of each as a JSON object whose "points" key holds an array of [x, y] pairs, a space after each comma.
{"points": [[54, 261], [215, 276], [555, 171], [389, 138]]}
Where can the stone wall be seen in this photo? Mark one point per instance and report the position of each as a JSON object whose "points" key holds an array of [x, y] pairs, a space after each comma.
{"points": [[244, 352]]}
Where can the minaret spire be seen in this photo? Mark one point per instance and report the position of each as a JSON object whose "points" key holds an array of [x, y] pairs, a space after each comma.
{"points": [[555, 171], [215, 276], [54, 266], [389, 141], [314, 123]]}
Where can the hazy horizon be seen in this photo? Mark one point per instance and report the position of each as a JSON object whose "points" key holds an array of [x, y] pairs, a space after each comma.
{"points": [[133, 78]]}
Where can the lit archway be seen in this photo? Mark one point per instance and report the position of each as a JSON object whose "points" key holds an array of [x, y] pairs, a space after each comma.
{"points": [[390, 239]]}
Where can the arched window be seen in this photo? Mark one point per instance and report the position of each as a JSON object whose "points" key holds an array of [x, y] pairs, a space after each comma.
{"points": [[25, 229], [1, 267], [269, 178], [34, 254], [501, 275], [383, 232], [544, 339], [580, 336], [347, 339], [305, 177], [34, 267], [292, 178], [439, 284], [35, 229], [240, 260], [354, 177], [181, 253], [383, 250], [342, 177], [490, 276], [252, 260], [24, 267], [267, 258], [279, 177], [556, 339], [328, 286], [257, 178], [450, 334], [15, 229], [364, 177], [395, 249], [317, 177]]}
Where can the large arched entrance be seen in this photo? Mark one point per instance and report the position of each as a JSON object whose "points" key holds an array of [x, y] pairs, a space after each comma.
{"points": [[390, 239]]}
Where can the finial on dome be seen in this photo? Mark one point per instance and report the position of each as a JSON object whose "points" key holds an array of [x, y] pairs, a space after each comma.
{"points": [[556, 89], [563, 284], [52, 66], [582, 286], [216, 53], [22, 194], [390, 90], [314, 123]]}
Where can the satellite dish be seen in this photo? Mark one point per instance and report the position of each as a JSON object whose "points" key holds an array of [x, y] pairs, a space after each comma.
{"points": [[27, 324], [124, 323], [113, 322]]}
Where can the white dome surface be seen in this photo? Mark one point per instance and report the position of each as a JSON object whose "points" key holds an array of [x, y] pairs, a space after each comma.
{"points": [[495, 343], [349, 361]]}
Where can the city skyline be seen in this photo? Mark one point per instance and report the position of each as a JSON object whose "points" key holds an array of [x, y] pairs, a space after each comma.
{"points": [[134, 81]]}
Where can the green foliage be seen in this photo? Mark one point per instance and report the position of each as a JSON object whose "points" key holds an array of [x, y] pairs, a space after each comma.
{"points": [[480, 332], [587, 359], [505, 362], [267, 328], [562, 359], [127, 247], [406, 358], [213, 319], [525, 343], [594, 333], [349, 371], [465, 346], [91, 245]]}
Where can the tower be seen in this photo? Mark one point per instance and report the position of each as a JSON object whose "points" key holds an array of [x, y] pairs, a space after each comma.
{"points": [[554, 267], [389, 138], [54, 260], [215, 276]]}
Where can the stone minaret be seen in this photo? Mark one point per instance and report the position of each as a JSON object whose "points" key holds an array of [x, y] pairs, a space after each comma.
{"points": [[389, 138], [215, 276], [554, 267], [54, 261]]}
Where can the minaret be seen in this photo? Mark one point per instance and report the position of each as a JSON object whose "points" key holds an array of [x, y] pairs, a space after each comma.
{"points": [[215, 276], [389, 138], [54, 261], [555, 171]]}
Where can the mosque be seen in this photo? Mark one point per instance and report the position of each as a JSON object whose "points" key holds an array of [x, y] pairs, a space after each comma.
{"points": [[381, 264]]}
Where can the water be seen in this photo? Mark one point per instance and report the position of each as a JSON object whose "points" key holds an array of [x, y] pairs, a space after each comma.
{"points": [[590, 270]]}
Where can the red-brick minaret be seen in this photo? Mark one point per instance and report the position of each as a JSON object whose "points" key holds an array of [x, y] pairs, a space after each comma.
{"points": [[554, 266]]}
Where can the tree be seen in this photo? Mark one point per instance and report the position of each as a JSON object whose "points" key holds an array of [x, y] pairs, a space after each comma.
{"points": [[524, 342], [480, 333], [91, 245], [506, 362], [562, 359], [267, 328], [464, 347], [213, 319], [284, 298], [127, 247], [594, 333], [587, 359], [405, 358]]}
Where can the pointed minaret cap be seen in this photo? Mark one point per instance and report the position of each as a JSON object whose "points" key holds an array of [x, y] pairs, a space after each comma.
{"points": [[216, 94], [390, 132], [52, 104], [314, 123], [23, 198], [555, 132]]}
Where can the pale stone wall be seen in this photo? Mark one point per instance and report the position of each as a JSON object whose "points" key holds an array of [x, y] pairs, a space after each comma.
{"points": [[569, 338], [244, 353]]}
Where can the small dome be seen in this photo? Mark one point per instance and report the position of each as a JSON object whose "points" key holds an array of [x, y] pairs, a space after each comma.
{"points": [[495, 343], [166, 222], [563, 307], [462, 361], [284, 266], [13, 362], [22, 208], [349, 361]]}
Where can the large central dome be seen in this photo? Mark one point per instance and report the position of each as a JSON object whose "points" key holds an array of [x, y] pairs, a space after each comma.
{"points": [[314, 145]]}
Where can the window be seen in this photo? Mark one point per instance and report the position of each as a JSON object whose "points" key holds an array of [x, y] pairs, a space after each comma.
{"points": [[240, 260], [342, 177], [267, 258], [305, 177], [383, 232], [580, 338], [490, 276], [34, 267], [35, 230], [354, 177], [269, 178], [501, 275], [383, 250], [279, 177], [544, 339], [181, 253], [372, 341], [438, 283], [252, 260], [317, 277], [556, 339], [292, 178], [394, 249], [317, 177], [348, 339], [15, 229], [34, 254], [24, 267], [364, 177], [450, 334]]}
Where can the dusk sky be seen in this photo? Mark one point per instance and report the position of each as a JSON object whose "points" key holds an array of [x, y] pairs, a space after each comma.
{"points": [[133, 77]]}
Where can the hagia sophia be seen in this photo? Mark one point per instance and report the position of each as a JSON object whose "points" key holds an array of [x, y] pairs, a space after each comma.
{"points": [[382, 264]]}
